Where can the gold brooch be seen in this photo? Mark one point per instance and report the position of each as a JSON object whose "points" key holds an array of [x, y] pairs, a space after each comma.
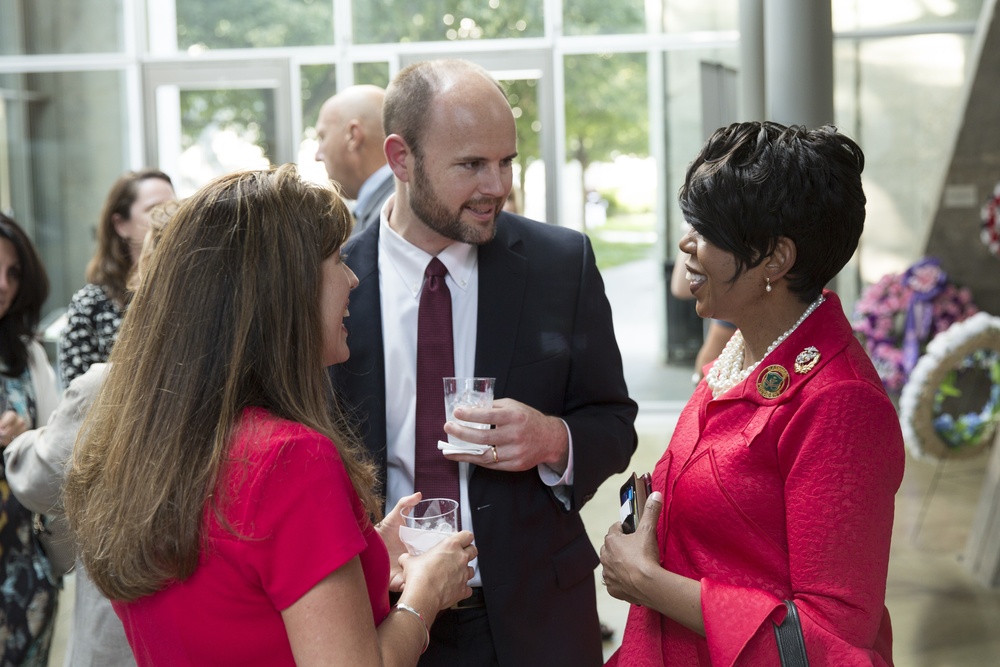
{"points": [[772, 381], [806, 360]]}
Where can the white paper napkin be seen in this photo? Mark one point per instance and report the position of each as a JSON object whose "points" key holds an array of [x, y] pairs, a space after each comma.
{"points": [[461, 448]]}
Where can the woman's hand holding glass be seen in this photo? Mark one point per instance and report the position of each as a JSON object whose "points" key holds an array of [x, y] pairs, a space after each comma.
{"points": [[388, 530], [443, 570], [441, 574]]}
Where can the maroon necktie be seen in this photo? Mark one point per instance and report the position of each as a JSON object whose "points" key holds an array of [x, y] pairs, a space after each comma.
{"points": [[435, 476]]}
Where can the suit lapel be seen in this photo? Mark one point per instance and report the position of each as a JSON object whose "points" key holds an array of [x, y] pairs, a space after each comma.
{"points": [[366, 366], [370, 215], [502, 284]]}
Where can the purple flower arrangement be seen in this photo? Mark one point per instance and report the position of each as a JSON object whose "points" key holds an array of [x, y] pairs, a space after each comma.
{"points": [[896, 317]]}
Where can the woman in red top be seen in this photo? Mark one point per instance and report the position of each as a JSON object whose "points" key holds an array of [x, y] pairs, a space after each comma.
{"points": [[780, 477], [216, 501]]}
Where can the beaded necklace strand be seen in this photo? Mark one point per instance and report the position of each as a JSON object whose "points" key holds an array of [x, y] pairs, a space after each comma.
{"points": [[728, 370]]}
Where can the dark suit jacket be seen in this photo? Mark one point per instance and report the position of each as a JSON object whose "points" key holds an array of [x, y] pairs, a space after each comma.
{"points": [[545, 333], [369, 215]]}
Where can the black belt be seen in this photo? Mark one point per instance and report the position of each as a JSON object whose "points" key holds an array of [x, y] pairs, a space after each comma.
{"points": [[475, 601]]}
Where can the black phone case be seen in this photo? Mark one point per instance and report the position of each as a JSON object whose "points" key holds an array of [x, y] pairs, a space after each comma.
{"points": [[634, 492]]}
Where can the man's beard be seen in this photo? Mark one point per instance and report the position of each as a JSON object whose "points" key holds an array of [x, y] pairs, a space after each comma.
{"points": [[426, 205]]}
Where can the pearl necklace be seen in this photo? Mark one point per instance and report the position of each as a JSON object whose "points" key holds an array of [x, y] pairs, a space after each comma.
{"points": [[728, 370]]}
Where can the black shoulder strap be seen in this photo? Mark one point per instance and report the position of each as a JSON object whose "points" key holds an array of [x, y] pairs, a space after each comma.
{"points": [[791, 645]]}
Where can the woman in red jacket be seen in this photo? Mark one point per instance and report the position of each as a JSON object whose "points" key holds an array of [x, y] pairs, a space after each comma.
{"points": [[779, 480]]}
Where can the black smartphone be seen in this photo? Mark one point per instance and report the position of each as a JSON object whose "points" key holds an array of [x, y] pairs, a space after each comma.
{"points": [[633, 499]]}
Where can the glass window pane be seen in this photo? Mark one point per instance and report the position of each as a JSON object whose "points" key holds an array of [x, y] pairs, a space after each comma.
{"points": [[528, 191], [381, 21], [694, 15], [906, 91], [66, 147], [376, 74], [610, 178], [600, 17], [319, 83], [60, 26], [241, 24], [852, 14], [685, 131], [223, 130]]}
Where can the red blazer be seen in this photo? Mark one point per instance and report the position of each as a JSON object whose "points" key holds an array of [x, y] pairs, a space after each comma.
{"points": [[784, 497]]}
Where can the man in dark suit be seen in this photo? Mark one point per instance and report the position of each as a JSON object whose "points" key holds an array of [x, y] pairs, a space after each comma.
{"points": [[349, 131], [529, 309]]}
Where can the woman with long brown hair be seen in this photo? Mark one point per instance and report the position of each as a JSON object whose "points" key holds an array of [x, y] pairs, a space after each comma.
{"points": [[95, 311], [216, 500]]}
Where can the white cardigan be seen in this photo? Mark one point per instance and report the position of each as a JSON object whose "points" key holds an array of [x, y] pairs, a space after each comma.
{"points": [[44, 379], [37, 462]]}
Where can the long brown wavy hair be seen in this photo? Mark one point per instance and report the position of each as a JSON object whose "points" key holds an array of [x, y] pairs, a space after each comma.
{"points": [[111, 264], [226, 316]]}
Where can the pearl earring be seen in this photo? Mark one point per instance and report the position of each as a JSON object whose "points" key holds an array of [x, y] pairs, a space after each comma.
{"points": [[768, 288]]}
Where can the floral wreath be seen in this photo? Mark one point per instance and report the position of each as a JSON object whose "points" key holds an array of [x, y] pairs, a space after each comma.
{"points": [[990, 235], [932, 433], [896, 316]]}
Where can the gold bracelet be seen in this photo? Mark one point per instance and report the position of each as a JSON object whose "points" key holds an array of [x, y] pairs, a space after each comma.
{"points": [[400, 606]]}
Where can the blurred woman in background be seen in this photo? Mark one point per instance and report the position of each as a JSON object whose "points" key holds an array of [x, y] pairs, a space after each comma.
{"points": [[95, 311], [36, 464], [28, 395]]}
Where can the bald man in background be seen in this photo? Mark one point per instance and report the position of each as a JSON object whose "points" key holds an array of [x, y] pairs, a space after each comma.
{"points": [[350, 134]]}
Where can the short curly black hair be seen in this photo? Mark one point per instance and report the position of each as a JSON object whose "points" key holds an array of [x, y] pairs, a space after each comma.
{"points": [[755, 182]]}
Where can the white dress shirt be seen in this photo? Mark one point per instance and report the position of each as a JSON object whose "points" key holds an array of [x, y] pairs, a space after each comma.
{"points": [[401, 269]]}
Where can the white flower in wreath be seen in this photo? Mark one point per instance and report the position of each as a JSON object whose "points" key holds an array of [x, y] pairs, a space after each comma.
{"points": [[934, 436], [990, 232]]}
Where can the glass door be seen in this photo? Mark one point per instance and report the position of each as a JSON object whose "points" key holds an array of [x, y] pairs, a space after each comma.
{"points": [[205, 119]]}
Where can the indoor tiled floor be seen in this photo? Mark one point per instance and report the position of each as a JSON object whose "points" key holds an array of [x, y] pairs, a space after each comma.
{"points": [[941, 616]]}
